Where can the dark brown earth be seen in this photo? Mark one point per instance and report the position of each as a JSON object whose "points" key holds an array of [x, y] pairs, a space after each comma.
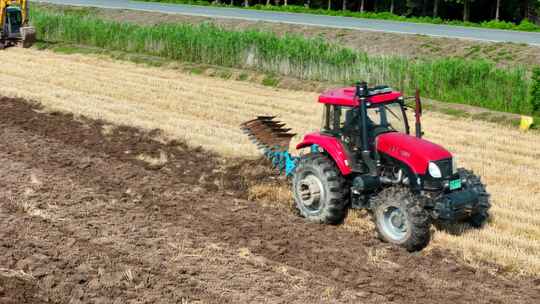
{"points": [[374, 43], [83, 221]]}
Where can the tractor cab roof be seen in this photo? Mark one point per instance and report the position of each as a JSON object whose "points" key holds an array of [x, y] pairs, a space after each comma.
{"points": [[346, 96]]}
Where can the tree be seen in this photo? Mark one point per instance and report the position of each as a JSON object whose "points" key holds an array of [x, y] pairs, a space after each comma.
{"points": [[344, 7], [392, 7], [498, 10], [414, 6], [435, 8], [362, 6], [466, 8]]}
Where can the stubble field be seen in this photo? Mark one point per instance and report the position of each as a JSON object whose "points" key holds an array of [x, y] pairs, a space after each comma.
{"points": [[206, 112]]}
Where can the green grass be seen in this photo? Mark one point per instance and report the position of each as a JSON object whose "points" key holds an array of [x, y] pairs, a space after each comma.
{"points": [[270, 81], [455, 112], [243, 77], [473, 82], [196, 71], [534, 98], [493, 24]]}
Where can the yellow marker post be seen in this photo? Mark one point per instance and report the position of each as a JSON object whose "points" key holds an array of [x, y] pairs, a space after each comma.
{"points": [[526, 123]]}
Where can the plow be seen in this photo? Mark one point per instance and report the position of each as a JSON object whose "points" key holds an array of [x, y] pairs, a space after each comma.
{"points": [[365, 157], [273, 140]]}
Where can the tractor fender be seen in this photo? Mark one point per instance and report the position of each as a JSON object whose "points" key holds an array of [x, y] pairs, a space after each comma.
{"points": [[332, 146]]}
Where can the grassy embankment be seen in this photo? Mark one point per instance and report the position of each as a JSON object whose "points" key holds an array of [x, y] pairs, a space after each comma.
{"points": [[472, 82]]}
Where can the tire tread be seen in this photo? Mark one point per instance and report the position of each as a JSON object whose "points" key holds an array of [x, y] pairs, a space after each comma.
{"points": [[336, 208]]}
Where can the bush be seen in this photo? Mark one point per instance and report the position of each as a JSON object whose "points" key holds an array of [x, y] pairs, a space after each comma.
{"points": [[501, 25], [526, 25]]}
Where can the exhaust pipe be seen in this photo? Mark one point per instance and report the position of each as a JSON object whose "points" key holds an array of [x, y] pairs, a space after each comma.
{"points": [[362, 96], [418, 114]]}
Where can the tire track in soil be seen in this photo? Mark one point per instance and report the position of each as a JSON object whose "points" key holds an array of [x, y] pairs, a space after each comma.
{"points": [[112, 215]]}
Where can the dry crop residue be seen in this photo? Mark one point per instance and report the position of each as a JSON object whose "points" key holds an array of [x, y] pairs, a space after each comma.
{"points": [[207, 111], [84, 220]]}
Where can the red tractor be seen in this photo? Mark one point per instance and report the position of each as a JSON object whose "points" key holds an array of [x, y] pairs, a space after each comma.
{"points": [[364, 157]]}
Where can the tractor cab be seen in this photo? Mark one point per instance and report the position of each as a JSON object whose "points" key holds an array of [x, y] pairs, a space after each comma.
{"points": [[357, 121], [342, 115], [13, 22]]}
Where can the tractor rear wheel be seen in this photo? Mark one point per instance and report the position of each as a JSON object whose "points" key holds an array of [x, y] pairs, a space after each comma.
{"points": [[473, 182], [319, 189], [401, 219]]}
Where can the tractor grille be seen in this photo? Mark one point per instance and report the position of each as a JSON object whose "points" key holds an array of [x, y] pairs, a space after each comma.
{"points": [[432, 184], [446, 167]]}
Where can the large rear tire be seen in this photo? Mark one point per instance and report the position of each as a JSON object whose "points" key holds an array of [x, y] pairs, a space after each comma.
{"points": [[474, 183], [400, 218], [319, 189]]}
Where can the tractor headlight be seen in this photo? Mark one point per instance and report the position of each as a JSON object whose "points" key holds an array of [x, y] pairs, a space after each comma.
{"points": [[434, 170]]}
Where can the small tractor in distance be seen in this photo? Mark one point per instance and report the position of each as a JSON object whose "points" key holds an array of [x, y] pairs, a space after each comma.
{"points": [[364, 157], [15, 24]]}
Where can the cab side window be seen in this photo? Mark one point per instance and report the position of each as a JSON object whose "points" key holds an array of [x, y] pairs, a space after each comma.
{"points": [[336, 117]]}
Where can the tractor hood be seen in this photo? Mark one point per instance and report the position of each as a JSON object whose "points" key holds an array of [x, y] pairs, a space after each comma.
{"points": [[415, 152]]}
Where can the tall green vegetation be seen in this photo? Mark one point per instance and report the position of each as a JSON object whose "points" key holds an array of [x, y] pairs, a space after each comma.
{"points": [[535, 91], [478, 83]]}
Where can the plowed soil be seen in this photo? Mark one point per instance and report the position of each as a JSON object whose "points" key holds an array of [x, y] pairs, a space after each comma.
{"points": [[83, 220]]}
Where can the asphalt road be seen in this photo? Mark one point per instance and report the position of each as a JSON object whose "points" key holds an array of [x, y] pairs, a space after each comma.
{"points": [[316, 20]]}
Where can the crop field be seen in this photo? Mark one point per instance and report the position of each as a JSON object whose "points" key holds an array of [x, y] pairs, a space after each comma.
{"points": [[206, 112]]}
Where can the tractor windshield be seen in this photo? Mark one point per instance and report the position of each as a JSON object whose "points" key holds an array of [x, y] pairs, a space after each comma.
{"points": [[390, 116]]}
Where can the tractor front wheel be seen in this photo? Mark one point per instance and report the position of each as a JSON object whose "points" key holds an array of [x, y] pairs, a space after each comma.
{"points": [[319, 190], [401, 219], [472, 182]]}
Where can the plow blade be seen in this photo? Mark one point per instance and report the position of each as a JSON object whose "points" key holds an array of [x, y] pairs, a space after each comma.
{"points": [[273, 139], [268, 133]]}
